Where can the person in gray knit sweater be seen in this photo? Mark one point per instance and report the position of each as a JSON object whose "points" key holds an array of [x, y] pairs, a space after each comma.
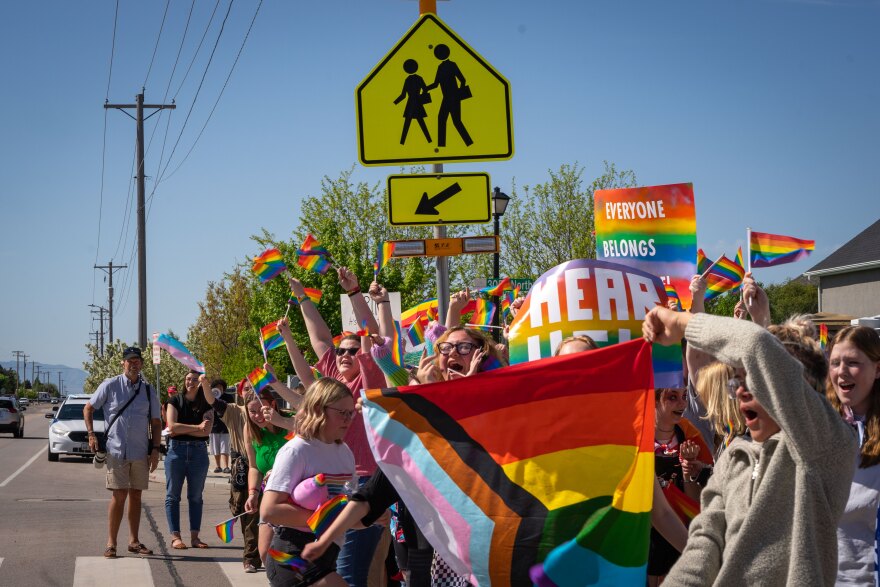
{"points": [[770, 511]]}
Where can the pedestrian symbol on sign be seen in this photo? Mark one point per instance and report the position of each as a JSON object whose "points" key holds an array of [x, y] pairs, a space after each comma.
{"points": [[448, 78]]}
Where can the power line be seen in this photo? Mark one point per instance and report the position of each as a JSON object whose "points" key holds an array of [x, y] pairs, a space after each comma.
{"points": [[156, 48], [198, 48]]}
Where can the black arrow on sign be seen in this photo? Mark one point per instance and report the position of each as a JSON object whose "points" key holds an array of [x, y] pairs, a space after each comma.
{"points": [[429, 205]]}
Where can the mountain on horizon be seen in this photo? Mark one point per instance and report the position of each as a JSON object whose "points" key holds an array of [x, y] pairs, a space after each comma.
{"points": [[74, 378]]}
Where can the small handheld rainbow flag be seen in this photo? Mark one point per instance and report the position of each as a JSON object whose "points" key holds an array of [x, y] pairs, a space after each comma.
{"points": [[315, 263], [310, 292], [497, 290], [506, 302], [316, 374], [721, 276], [260, 379], [324, 515], [383, 255], [364, 331], [311, 246], [416, 333], [769, 250], [271, 337], [288, 560], [224, 530], [483, 313], [686, 508], [823, 335], [397, 345], [268, 265], [673, 295]]}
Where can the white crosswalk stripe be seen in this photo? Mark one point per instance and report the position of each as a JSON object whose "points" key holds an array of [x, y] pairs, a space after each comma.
{"points": [[234, 571], [97, 571]]}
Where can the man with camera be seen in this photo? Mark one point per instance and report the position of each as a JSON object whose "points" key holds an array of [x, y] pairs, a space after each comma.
{"points": [[133, 433]]}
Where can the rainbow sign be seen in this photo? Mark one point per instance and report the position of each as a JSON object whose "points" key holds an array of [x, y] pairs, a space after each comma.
{"points": [[653, 229], [602, 300]]}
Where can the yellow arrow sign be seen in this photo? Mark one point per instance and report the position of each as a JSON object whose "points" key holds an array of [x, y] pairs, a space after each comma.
{"points": [[433, 99], [445, 198]]}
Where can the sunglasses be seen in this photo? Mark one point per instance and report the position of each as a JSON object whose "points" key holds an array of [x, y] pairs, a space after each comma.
{"points": [[733, 384], [462, 348], [346, 414], [352, 351]]}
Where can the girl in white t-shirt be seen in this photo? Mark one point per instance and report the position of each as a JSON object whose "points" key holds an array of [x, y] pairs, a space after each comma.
{"points": [[322, 422]]}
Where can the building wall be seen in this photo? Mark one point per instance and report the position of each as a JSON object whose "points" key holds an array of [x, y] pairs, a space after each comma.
{"points": [[857, 293]]}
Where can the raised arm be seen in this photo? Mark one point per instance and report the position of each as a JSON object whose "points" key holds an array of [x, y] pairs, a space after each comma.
{"points": [[319, 334], [697, 359], [379, 295], [757, 302], [300, 366], [348, 281], [457, 302], [290, 396]]}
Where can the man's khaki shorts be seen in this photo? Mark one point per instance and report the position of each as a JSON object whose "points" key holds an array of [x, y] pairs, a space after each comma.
{"points": [[123, 474]]}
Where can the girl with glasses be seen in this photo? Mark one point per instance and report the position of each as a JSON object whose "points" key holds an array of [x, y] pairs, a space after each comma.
{"points": [[322, 423]]}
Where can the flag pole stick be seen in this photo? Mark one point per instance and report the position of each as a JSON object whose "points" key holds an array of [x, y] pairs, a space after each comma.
{"points": [[749, 258], [715, 262], [232, 518]]}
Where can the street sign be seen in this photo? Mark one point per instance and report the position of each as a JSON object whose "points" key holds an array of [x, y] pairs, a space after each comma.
{"points": [[447, 198], [433, 99], [157, 356], [446, 247], [524, 284]]}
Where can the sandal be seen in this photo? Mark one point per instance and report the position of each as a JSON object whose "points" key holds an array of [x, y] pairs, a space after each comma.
{"points": [[110, 552], [178, 544], [196, 543], [139, 549]]}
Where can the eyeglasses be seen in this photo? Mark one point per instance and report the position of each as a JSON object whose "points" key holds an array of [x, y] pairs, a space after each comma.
{"points": [[352, 351], [733, 384], [462, 348], [346, 414]]}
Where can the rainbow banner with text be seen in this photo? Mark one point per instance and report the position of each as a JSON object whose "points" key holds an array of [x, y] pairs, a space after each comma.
{"points": [[650, 228], [602, 300], [540, 473]]}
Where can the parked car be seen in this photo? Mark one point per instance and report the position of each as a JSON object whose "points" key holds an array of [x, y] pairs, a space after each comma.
{"points": [[24, 402], [67, 433], [11, 416], [54, 400]]}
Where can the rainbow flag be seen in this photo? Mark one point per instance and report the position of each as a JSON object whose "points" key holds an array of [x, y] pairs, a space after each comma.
{"points": [[288, 560], [686, 508], [271, 337], [260, 379], [316, 374], [313, 294], [823, 335], [315, 263], [398, 343], [484, 312], [726, 275], [407, 317], [324, 515], [311, 246], [224, 530], [673, 295], [364, 331], [506, 301], [177, 350], [502, 286], [769, 250], [739, 258], [416, 333], [268, 265], [383, 255], [495, 499]]}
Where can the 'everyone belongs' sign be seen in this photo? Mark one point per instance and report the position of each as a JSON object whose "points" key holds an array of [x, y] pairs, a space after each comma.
{"points": [[605, 301]]}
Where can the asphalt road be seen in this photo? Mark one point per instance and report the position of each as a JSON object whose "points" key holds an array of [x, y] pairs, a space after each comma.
{"points": [[53, 524]]}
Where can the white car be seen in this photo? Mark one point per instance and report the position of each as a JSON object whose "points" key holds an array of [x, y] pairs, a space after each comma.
{"points": [[11, 417], [67, 433]]}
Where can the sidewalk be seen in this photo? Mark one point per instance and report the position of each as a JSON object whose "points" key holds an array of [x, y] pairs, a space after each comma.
{"points": [[219, 480]]}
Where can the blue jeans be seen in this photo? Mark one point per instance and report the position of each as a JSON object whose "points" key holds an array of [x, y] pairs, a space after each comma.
{"points": [[185, 460], [353, 563]]}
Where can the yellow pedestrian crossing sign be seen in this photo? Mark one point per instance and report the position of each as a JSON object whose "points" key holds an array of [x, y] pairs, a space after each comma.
{"points": [[433, 99], [440, 198]]}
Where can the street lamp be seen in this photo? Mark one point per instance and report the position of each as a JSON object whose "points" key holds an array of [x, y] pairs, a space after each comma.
{"points": [[499, 206]]}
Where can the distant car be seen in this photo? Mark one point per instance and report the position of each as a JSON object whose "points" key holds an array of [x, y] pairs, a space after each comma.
{"points": [[54, 400], [67, 433], [11, 416], [24, 402]]}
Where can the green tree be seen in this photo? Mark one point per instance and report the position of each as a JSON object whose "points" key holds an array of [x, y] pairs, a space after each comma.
{"points": [[8, 380], [99, 368], [793, 296]]}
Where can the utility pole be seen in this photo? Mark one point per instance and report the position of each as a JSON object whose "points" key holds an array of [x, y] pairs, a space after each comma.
{"points": [[100, 311], [59, 382], [141, 212], [17, 372], [109, 269], [97, 342], [24, 368], [35, 372]]}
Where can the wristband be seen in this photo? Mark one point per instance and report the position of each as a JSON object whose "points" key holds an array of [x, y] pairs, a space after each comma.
{"points": [[356, 290], [383, 302]]}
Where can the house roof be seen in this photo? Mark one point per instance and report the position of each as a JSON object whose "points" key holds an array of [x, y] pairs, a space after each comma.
{"points": [[861, 252]]}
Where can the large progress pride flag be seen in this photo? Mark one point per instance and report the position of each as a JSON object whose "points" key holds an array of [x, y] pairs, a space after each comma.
{"points": [[539, 472]]}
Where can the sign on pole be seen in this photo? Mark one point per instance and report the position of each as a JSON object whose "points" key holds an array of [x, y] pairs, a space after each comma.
{"points": [[157, 352], [433, 99], [446, 198], [650, 228]]}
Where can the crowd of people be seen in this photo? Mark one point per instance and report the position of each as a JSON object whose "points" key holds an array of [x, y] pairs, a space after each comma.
{"points": [[776, 438]]}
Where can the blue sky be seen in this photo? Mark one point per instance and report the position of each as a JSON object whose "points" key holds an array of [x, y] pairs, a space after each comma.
{"points": [[769, 107]]}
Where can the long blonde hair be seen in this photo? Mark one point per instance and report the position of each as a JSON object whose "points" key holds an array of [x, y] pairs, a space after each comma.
{"points": [[721, 411], [868, 341], [320, 394]]}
